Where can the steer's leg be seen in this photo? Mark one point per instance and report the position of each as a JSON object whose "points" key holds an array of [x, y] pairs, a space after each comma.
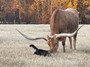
{"points": [[70, 40], [63, 43], [74, 41]]}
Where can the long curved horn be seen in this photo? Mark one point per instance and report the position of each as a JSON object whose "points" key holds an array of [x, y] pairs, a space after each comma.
{"points": [[67, 34], [36, 38]]}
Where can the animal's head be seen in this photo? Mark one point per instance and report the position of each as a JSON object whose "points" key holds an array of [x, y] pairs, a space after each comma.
{"points": [[53, 41]]}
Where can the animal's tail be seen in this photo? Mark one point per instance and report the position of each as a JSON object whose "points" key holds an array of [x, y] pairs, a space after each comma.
{"points": [[34, 46]]}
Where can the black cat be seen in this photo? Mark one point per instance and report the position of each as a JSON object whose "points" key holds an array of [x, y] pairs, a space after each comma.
{"points": [[40, 51]]}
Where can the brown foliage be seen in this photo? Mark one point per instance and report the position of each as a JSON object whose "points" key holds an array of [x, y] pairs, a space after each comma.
{"points": [[36, 11]]}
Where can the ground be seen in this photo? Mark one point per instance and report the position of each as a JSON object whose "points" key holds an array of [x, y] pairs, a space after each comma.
{"points": [[15, 50]]}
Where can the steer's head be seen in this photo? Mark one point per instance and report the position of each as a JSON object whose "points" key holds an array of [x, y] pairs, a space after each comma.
{"points": [[53, 42]]}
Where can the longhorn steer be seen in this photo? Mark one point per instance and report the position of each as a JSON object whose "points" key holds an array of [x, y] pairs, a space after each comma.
{"points": [[63, 23]]}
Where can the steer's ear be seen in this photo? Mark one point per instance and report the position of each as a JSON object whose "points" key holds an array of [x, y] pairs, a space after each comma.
{"points": [[48, 37], [45, 39]]}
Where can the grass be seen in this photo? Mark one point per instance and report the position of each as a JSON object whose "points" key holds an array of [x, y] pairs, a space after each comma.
{"points": [[15, 50]]}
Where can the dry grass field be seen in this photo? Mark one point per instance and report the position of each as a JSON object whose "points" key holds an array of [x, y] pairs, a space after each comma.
{"points": [[15, 50]]}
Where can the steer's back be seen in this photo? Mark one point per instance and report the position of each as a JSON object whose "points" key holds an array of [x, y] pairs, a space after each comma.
{"points": [[63, 21], [72, 18]]}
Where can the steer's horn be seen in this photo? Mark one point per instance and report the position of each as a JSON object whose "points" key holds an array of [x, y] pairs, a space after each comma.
{"points": [[67, 34], [29, 38]]}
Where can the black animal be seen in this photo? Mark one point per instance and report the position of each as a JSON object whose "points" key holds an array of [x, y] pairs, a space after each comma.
{"points": [[40, 51]]}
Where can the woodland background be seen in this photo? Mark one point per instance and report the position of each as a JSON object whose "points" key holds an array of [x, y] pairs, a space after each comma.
{"points": [[39, 11]]}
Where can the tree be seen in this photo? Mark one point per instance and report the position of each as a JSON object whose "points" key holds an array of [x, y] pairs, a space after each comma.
{"points": [[82, 8]]}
